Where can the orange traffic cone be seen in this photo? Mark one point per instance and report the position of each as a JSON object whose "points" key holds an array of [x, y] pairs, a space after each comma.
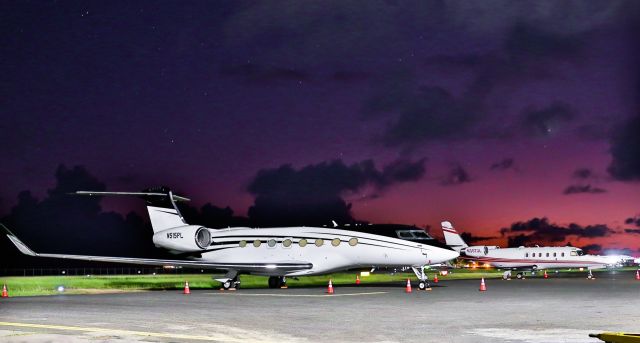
{"points": [[483, 287], [5, 294], [435, 279], [637, 275], [408, 289], [545, 275], [357, 279], [330, 287], [186, 288]]}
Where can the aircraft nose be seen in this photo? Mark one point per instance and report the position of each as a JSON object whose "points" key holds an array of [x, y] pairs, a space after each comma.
{"points": [[451, 254]]}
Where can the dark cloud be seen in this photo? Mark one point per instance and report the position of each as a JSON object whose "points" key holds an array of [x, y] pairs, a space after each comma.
{"points": [[633, 221], [402, 170], [579, 189], [583, 175], [250, 72], [625, 151], [592, 248], [425, 115], [527, 53], [457, 175], [505, 164], [548, 120], [528, 42], [540, 231], [469, 238], [313, 194]]}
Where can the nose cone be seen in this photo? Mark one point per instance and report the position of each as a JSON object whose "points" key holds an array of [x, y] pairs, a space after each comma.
{"points": [[451, 254]]}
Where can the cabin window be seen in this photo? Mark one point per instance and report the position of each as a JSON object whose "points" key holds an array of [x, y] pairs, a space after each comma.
{"points": [[562, 254], [243, 244], [256, 243], [526, 255], [547, 254], [573, 253], [540, 254], [319, 242], [302, 242], [271, 243], [286, 243], [335, 242], [554, 254], [353, 242]]}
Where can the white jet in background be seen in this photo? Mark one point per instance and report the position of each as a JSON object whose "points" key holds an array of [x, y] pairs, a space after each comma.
{"points": [[524, 258], [275, 252]]}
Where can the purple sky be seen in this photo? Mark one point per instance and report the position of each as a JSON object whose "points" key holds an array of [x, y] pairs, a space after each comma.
{"points": [[201, 96]]}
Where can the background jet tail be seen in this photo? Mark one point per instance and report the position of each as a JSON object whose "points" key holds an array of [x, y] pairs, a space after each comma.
{"points": [[451, 237], [161, 204]]}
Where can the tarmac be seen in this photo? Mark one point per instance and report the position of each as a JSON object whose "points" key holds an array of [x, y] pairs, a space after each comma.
{"points": [[531, 310]]}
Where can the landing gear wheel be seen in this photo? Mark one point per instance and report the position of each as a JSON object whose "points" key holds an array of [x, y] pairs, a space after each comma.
{"points": [[231, 284], [590, 276], [422, 285], [282, 282], [519, 276], [274, 282]]}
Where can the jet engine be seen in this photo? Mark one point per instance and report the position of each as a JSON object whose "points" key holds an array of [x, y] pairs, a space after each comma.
{"points": [[183, 238]]}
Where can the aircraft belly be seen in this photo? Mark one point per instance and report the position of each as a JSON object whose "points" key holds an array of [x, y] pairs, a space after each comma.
{"points": [[324, 259]]}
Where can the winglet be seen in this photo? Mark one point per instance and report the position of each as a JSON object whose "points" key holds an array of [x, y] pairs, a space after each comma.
{"points": [[18, 243]]}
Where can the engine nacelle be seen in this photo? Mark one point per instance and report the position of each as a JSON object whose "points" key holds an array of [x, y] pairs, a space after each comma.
{"points": [[183, 238], [479, 250]]}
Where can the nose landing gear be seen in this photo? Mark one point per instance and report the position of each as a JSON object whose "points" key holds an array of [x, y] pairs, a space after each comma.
{"points": [[423, 283]]}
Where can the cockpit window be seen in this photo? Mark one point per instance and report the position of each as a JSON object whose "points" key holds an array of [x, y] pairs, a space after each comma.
{"points": [[404, 234], [573, 253], [421, 235], [580, 253], [412, 234]]}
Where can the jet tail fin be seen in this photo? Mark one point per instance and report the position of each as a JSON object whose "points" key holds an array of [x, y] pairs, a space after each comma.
{"points": [[161, 204], [451, 237]]}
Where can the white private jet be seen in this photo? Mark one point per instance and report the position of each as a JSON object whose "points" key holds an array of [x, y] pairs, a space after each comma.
{"points": [[524, 258], [275, 252]]}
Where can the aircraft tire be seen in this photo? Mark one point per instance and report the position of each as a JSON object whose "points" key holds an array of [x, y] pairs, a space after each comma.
{"points": [[519, 276], [422, 285], [274, 282]]}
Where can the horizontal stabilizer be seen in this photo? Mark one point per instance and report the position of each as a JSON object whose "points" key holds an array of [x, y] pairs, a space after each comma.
{"points": [[143, 194]]}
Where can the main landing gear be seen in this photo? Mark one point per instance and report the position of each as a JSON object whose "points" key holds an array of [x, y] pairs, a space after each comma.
{"points": [[231, 281], [277, 282], [423, 280], [506, 275]]}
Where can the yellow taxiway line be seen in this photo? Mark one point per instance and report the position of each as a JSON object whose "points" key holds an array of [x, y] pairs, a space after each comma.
{"points": [[296, 295], [120, 332]]}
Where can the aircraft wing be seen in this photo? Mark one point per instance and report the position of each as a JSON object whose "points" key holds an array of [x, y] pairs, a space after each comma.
{"points": [[249, 267]]}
